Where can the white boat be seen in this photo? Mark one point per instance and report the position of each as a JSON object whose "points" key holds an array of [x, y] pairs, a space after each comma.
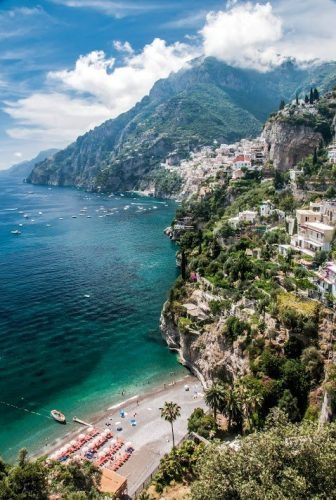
{"points": [[58, 416], [16, 232]]}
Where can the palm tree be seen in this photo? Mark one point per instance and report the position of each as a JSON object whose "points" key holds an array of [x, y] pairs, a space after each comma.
{"points": [[232, 408], [215, 397], [170, 412], [250, 401]]}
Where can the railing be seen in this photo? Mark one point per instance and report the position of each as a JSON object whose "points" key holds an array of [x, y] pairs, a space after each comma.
{"points": [[189, 436]]}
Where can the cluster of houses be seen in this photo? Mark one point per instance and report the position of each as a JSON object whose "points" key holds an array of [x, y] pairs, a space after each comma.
{"points": [[233, 159], [266, 209], [311, 230]]}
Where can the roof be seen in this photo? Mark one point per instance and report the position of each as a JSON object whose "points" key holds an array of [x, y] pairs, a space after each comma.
{"points": [[307, 211], [241, 158], [248, 212], [318, 226], [112, 482]]}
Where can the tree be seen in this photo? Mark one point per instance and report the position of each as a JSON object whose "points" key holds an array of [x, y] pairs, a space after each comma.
{"points": [[250, 399], [313, 363], [282, 105], [306, 99], [289, 404], [170, 412], [315, 158], [286, 461], [297, 99], [183, 265], [311, 97], [200, 241], [316, 95], [202, 424], [215, 397]]}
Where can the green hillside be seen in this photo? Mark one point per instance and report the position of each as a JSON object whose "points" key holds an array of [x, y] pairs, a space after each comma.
{"points": [[205, 102]]}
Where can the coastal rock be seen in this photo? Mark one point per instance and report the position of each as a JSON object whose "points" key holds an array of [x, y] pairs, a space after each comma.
{"points": [[207, 354], [288, 143]]}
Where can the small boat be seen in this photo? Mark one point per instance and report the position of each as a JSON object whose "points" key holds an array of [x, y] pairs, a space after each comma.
{"points": [[74, 216], [58, 416], [16, 232]]}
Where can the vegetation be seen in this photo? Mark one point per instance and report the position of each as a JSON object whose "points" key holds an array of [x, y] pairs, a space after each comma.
{"points": [[170, 412], [38, 480], [286, 461]]}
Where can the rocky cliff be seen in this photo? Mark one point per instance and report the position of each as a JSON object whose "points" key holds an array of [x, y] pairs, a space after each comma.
{"points": [[296, 131], [203, 349], [288, 143]]}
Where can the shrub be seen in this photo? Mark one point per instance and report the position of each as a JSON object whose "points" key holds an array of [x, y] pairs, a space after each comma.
{"points": [[202, 424], [235, 327]]}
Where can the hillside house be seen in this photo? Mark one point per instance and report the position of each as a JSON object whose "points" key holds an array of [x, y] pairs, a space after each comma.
{"points": [[266, 209], [332, 153], [312, 237], [326, 279], [242, 161]]}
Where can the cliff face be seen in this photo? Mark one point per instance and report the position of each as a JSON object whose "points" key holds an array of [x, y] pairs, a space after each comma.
{"points": [[288, 143], [205, 350]]}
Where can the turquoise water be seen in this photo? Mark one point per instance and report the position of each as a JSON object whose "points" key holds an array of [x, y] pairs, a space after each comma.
{"points": [[80, 305]]}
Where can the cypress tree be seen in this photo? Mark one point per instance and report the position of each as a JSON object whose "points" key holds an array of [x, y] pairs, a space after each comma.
{"points": [[306, 99], [315, 157], [282, 104], [200, 240], [297, 99], [311, 97], [183, 265], [316, 95]]}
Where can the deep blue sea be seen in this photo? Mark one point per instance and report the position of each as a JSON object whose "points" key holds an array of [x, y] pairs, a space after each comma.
{"points": [[80, 302]]}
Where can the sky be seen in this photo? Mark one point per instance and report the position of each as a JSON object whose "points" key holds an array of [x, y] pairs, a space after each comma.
{"points": [[66, 66]]}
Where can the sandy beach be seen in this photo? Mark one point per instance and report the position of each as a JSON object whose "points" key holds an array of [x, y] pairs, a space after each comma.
{"points": [[151, 437]]}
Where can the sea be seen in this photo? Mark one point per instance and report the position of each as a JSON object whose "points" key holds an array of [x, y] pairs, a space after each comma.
{"points": [[81, 289]]}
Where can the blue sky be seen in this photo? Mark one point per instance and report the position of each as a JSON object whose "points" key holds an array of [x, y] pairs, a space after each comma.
{"points": [[68, 65]]}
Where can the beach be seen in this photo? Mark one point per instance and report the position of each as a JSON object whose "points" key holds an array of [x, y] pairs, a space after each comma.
{"points": [[151, 437]]}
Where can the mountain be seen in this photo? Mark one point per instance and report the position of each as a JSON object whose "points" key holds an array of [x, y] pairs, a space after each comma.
{"points": [[206, 101], [24, 168]]}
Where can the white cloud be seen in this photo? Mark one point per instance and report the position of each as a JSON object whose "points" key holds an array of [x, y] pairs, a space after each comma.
{"points": [[309, 28], [192, 20], [109, 7], [59, 118], [123, 47], [243, 35], [99, 87], [121, 87], [53, 118], [17, 154]]}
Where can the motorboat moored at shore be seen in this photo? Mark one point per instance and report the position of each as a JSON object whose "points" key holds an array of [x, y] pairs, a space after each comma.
{"points": [[58, 416], [16, 232]]}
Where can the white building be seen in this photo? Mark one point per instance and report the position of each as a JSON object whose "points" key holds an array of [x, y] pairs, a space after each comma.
{"points": [[266, 208], [313, 236], [326, 279], [332, 153]]}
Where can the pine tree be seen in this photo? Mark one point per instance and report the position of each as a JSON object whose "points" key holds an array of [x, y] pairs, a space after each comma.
{"points": [[282, 104], [311, 97], [316, 95]]}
